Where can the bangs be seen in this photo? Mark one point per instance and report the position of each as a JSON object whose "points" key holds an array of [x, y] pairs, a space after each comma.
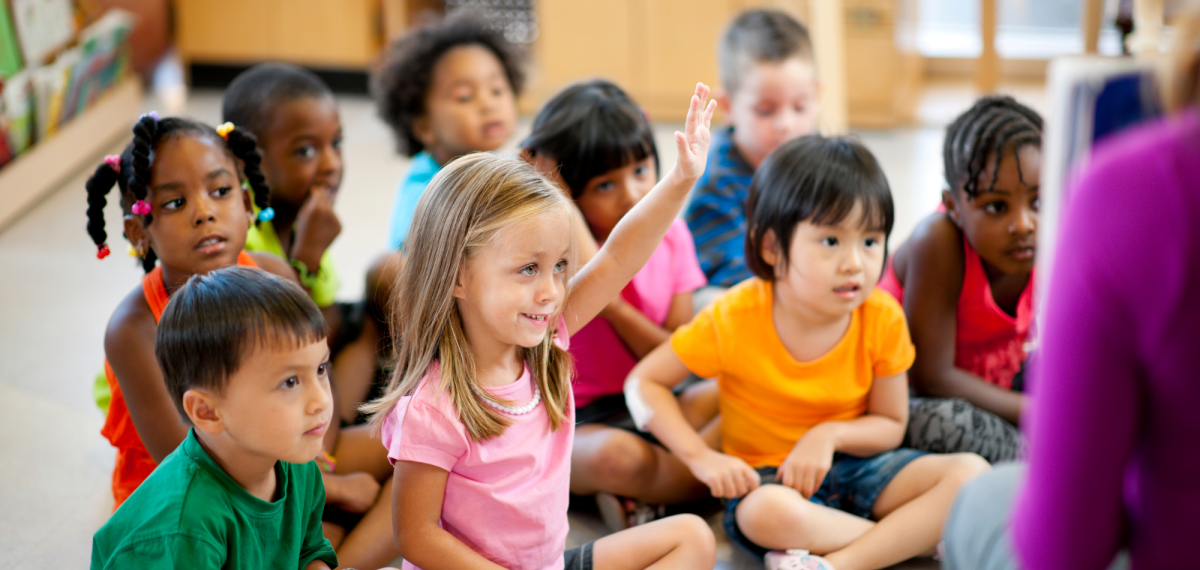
{"points": [[590, 129], [838, 204]]}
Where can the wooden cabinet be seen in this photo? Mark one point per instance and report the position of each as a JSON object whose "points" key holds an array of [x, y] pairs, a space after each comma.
{"points": [[320, 33], [658, 49]]}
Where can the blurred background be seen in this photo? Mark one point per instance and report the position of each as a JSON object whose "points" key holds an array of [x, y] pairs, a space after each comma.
{"points": [[75, 74]]}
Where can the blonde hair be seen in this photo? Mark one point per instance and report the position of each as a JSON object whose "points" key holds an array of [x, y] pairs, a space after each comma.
{"points": [[465, 205], [1182, 82]]}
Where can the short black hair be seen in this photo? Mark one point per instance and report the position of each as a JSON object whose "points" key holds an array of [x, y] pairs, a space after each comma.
{"points": [[813, 179], [402, 79], [133, 175], [591, 128], [254, 93], [216, 320], [757, 36], [994, 125]]}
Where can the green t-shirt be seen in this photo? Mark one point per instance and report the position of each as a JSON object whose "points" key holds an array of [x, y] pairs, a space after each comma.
{"points": [[262, 237], [191, 514]]}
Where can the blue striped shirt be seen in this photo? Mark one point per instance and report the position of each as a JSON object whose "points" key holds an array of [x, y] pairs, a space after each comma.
{"points": [[716, 214]]}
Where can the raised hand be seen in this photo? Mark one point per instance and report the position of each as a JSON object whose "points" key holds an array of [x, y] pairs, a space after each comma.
{"points": [[693, 142]]}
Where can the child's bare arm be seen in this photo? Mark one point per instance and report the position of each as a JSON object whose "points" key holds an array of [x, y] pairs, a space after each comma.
{"points": [[933, 279], [417, 491], [639, 232], [129, 346], [651, 380], [880, 429], [317, 565], [640, 333]]}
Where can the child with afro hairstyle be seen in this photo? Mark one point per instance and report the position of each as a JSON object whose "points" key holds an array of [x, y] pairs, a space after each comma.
{"points": [[294, 117], [446, 89]]}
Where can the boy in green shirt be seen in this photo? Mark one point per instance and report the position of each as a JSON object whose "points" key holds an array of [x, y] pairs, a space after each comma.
{"points": [[244, 357]]}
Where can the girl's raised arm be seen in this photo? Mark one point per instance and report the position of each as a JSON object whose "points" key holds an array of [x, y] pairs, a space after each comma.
{"points": [[638, 234]]}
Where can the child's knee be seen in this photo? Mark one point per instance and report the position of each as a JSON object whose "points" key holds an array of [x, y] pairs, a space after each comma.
{"points": [[694, 534], [964, 467], [622, 458], [770, 507]]}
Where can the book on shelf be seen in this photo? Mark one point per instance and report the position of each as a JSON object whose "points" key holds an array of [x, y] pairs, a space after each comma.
{"points": [[36, 101]]}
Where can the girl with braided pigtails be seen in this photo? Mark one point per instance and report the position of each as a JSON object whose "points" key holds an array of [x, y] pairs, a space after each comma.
{"points": [[186, 213], [965, 278]]}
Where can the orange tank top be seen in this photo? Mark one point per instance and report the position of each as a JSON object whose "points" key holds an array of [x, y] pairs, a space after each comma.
{"points": [[134, 462]]}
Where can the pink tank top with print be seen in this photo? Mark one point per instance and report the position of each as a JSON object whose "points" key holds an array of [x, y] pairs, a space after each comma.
{"points": [[988, 342]]}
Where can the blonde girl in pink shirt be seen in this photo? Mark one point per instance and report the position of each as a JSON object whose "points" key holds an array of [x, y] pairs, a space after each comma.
{"points": [[479, 416]]}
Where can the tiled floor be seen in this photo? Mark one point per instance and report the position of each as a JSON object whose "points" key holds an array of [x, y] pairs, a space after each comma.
{"points": [[55, 299]]}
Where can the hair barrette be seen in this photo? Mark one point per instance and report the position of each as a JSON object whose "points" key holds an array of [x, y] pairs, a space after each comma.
{"points": [[114, 161], [152, 115], [266, 214], [224, 130], [141, 207], [102, 251]]}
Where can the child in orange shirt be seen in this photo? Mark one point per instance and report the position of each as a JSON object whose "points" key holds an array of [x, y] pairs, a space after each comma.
{"points": [[816, 405]]}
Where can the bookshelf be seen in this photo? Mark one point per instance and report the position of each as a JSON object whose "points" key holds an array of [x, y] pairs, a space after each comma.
{"points": [[74, 146]]}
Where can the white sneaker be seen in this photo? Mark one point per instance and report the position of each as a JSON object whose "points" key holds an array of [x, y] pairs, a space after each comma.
{"points": [[795, 559]]}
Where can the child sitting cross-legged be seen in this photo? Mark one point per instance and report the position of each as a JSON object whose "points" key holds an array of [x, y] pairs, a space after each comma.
{"points": [[811, 362], [244, 357]]}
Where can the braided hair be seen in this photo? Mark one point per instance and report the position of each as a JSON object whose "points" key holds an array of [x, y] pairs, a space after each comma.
{"points": [[992, 126], [132, 176]]}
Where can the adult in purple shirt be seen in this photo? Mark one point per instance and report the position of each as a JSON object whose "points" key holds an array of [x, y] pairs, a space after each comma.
{"points": [[1114, 462]]}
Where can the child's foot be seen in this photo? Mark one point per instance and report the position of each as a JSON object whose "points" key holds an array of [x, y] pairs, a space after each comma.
{"points": [[620, 513], [795, 559]]}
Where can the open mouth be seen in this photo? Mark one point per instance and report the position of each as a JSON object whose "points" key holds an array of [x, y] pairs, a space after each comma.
{"points": [[494, 129], [847, 291], [211, 244], [540, 319]]}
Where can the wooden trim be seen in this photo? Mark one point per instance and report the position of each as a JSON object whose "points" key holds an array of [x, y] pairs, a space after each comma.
{"points": [[74, 146]]}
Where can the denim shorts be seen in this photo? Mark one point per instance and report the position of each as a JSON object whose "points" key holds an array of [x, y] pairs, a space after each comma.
{"points": [[852, 485], [578, 558]]}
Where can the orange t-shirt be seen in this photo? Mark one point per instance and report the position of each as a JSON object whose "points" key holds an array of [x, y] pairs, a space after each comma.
{"points": [[134, 462], [769, 399]]}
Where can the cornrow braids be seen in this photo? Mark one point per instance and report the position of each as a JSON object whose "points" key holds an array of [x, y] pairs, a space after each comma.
{"points": [[992, 126], [133, 173], [244, 147]]}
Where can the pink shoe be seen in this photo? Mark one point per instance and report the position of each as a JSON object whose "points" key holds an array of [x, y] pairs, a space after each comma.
{"points": [[796, 559]]}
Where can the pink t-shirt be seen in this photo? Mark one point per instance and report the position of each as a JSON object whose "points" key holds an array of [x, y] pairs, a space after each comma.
{"points": [[602, 361], [506, 498]]}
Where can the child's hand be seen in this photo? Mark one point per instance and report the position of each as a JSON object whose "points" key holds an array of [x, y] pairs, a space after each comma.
{"points": [[355, 492], [693, 143], [316, 227], [805, 467], [727, 476]]}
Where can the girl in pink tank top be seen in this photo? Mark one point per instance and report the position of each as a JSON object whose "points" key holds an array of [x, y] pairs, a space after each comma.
{"points": [[965, 279]]}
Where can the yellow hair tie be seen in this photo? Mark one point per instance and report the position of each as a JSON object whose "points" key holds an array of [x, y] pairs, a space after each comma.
{"points": [[224, 130]]}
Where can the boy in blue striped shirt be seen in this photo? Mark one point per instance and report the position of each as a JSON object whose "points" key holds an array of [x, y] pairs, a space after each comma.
{"points": [[770, 96]]}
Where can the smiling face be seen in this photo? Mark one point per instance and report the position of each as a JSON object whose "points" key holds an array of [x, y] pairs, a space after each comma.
{"points": [[831, 269], [775, 102], [470, 105], [608, 197], [199, 213], [278, 404], [511, 290], [1001, 223], [301, 147]]}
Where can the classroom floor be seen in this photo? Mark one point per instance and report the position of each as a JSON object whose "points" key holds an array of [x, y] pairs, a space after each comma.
{"points": [[55, 301]]}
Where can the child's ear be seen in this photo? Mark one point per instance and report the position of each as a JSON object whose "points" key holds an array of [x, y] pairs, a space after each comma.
{"points": [[950, 202], [423, 130], [248, 202], [460, 288], [135, 232], [723, 102], [769, 249], [201, 408]]}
